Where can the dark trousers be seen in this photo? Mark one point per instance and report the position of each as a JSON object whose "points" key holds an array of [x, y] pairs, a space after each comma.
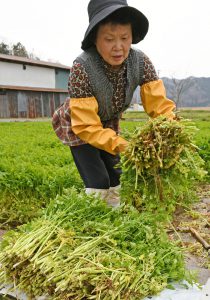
{"points": [[97, 168]]}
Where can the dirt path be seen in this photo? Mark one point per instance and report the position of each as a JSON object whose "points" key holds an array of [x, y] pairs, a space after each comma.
{"points": [[185, 224]]}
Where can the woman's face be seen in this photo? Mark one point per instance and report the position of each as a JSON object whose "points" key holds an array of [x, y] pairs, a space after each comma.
{"points": [[113, 42]]}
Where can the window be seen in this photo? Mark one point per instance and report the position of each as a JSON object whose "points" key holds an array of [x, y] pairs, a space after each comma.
{"points": [[3, 92]]}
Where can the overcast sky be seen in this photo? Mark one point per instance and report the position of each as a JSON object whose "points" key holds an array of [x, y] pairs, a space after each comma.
{"points": [[178, 41]]}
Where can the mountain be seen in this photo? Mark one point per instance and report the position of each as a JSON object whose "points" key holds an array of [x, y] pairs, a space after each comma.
{"points": [[189, 92]]}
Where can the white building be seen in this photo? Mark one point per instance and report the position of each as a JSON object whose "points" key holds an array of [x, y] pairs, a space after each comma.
{"points": [[31, 88]]}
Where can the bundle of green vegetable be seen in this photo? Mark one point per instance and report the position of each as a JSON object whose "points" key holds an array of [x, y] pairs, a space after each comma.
{"points": [[82, 249], [163, 164]]}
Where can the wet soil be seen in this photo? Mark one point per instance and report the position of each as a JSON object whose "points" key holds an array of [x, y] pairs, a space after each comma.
{"points": [[192, 229]]}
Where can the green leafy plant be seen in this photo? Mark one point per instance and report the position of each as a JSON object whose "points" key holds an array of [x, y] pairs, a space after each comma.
{"points": [[161, 165], [34, 167], [82, 249]]}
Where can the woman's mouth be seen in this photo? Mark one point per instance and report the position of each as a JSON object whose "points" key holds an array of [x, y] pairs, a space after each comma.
{"points": [[117, 57]]}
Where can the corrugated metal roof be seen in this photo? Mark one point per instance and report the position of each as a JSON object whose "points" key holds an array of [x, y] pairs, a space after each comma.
{"points": [[28, 61], [27, 88]]}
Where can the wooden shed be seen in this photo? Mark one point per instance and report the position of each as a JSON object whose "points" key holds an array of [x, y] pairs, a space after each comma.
{"points": [[31, 88]]}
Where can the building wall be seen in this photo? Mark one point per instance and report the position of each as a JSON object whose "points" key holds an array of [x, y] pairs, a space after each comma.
{"points": [[61, 79], [29, 104], [14, 74]]}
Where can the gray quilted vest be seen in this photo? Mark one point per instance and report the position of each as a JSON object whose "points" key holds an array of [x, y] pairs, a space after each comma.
{"points": [[102, 87]]}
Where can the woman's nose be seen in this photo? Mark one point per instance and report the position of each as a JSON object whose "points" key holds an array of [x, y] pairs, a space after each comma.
{"points": [[118, 45]]}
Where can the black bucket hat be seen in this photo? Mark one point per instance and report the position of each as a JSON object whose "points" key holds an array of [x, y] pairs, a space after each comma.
{"points": [[98, 10]]}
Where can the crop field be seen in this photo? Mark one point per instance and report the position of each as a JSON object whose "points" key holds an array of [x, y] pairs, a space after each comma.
{"points": [[35, 166], [70, 245]]}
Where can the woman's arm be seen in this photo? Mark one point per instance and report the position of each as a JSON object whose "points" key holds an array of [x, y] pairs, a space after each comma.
{"points": [[153, 93]]}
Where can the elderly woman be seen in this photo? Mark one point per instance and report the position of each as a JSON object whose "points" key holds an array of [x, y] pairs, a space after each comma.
{"points": [[101, 85]]}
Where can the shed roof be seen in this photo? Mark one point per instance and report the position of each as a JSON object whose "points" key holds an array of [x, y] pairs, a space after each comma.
{"points": [[28, 61], [27, 88]]}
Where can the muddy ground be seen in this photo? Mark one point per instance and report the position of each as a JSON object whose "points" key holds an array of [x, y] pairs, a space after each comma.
{"points": [[192, 229]]}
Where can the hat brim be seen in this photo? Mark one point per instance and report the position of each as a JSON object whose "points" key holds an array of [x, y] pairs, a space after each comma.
{"points": [[139, 22]]}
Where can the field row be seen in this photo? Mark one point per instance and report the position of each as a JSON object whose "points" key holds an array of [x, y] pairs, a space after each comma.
{"points": [[35, 167]]}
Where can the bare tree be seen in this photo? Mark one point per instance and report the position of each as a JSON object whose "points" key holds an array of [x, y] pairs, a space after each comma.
{"points": [[179, 87], [31, 55]]}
